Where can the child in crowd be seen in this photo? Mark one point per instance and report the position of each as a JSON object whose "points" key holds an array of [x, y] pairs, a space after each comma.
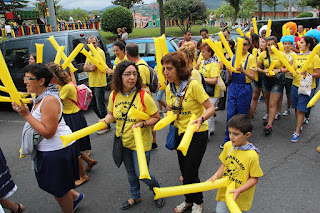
{"points": [[240, 162]]}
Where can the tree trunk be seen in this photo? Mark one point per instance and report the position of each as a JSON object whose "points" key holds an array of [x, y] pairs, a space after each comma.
{"points": [[235, 15], [162, 20], [274, 9], [260, 9]]}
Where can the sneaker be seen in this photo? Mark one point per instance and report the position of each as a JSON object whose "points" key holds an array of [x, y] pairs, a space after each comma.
{"points": [[278, 115], [305, 122], [267, 130], [196, 208], [182, 207], [295, 137], [286, 112], [265, 122], [221, 146], [159, 203], [154, 146], [265, 117], [77, 201], [104, 131]]}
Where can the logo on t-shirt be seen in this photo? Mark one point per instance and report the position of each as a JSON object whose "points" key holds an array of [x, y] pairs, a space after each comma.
{"points": [[233, 168]]}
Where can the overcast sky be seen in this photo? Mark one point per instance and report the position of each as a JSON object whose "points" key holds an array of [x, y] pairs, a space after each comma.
{"points": [[88, 4]]}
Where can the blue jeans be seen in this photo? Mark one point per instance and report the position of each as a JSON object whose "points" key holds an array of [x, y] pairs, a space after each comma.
{"points": [[130, 161], [98, 102]]}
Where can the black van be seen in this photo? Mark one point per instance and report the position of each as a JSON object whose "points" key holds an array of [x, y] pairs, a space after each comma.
{"points": [[16, 52], [276, 27]]}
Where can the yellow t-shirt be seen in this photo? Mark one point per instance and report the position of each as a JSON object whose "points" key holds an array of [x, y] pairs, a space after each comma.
{"points": [[192, 104], [120, 108], [144, 72], [273, 57], [298, 63], [195, 74], [252, 63], [97, 78], [118, 61], [239, 166], [69, 91], [210, 71]]}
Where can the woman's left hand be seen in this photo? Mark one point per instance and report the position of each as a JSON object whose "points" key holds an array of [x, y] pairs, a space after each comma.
{"points": [[304, 73], [139, 124], [23, 110], [198, 121], [239, 69]]}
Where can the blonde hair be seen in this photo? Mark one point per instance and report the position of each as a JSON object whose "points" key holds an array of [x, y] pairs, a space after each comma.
{"points": [[189, 48]]}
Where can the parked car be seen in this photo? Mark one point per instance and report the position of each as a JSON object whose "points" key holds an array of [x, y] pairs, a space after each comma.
{"points": [[16, 52], [147, 49]]}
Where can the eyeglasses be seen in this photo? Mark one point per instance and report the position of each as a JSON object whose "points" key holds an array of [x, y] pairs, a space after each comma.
{"points": [[246, 44], [128, 74], [93, 43], [29, 79]]}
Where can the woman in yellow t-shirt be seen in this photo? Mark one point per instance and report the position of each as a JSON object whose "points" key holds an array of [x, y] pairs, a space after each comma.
{"points": [[119, 51], [127, 86], [73, 117], [210, 70], [195, 101], [299, 101]]}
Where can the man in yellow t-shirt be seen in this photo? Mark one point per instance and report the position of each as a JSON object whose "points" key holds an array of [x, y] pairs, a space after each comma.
{"points": [[97, 83]]}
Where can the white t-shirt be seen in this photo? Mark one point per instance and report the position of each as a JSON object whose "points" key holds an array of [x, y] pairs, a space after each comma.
{"points": [[125, 36], [8, 28]]}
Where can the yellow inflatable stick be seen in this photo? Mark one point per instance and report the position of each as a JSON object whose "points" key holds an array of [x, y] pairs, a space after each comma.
{"points": [[219, 45], [187, 137], [158, 51], [219, 54], [66, 139], [284, 61], [13, 33], [39, 48], [314, 99], [311, 57], [231, 203], [255, 52], [189, 188], [255, 28], [288, 31], [138, 114], [92, 59], [102, 61], [281, 47], [240, 31], [248, 34], [21, 156], [269, 28], [225, 44], [73, 54], [9, 100], [237, 62], [6, 79], [284, 30], [57, 60], [64, 57], [163, 44], [304, 31], [165, 121], [141, 155], [270, 69]]}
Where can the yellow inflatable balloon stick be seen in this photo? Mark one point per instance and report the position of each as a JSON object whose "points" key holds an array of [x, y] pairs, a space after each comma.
{"points": [[311, 57], [314, 99], [255, 28], [237, 62], [225, 44], [187, 137], [270, 69], [269, 28], [57, 60], [39, 48], [73, 54], [165, 121], [283, 60], [281, 47], [101, 60], [92, 59], [9, 100], [189, 188], [138, 114], [161, 49], [231, 203], [66, 139], [240, 31], [143, 166]]}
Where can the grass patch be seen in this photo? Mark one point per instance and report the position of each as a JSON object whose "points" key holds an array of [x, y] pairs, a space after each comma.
{"points": [[155, 32]]}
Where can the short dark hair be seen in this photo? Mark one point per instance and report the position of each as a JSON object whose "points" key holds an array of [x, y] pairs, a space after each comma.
{"points": [[241, 122], [272, 38], [116, 81], [309, 40], [34, 55], [187, 31], [178, 61], [121, 44], [39, 71], [204, 30], [132, 49]]}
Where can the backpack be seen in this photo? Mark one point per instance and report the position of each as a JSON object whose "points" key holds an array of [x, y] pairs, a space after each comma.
{"points": [[142, 92], [153, 86], [84, 96]]}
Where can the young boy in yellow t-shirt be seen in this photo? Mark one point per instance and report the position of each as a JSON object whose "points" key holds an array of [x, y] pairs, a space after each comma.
{"points": [[240, 162]]}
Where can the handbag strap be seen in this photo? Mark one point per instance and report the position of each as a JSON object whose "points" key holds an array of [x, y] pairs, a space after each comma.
{"points": [[125, 119], [182, 97]]}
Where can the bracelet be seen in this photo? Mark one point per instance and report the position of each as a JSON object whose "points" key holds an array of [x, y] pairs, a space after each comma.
{"points": [[144, 124], [202, 119], [105, 121]]}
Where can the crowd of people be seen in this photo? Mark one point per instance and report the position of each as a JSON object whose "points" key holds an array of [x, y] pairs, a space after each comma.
{"points": [[197, 85]]}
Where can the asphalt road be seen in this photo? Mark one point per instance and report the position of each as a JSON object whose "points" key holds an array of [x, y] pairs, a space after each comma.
{"points": [[290, 182]]}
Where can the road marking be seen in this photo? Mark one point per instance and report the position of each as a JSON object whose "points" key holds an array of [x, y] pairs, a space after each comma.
{"points": [[12, 121]]}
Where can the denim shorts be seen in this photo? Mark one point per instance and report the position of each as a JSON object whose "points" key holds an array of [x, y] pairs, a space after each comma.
{"points": [[160, 94], [223, 208], [270, 85], [300, 102]]}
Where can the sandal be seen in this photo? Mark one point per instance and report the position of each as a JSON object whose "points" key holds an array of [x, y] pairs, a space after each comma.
{"points": [[182, 207], [126, 205], [19, 209]]}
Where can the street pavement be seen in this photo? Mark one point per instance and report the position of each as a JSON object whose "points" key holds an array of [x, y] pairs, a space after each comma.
{"points": [[290, 182]]}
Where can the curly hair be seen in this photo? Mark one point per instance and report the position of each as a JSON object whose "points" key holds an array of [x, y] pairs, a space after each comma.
{"points": [[289, 38], [292, 26], [189, 48], [314, 34], [116, 81], [59, 73], [206, 46], [177, 60]]}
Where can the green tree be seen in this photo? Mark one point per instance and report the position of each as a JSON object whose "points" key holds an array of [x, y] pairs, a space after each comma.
{"points": [[41, 7], [95, 12], [116, 17], [13, 5], [227, 10], [302, 4], [64, 14], [185, 10], [236, 5], [268, 3], [313, 3], [249, 7], [79, 14], [127, 3]]}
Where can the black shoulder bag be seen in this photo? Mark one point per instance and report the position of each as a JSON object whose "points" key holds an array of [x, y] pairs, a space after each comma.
{"points": [[117, 151]]}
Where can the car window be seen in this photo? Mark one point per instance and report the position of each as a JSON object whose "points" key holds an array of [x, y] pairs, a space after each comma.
{"points": [[80, 58], [142, 49], [17, 58], [111, 53], [152, 49]]}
